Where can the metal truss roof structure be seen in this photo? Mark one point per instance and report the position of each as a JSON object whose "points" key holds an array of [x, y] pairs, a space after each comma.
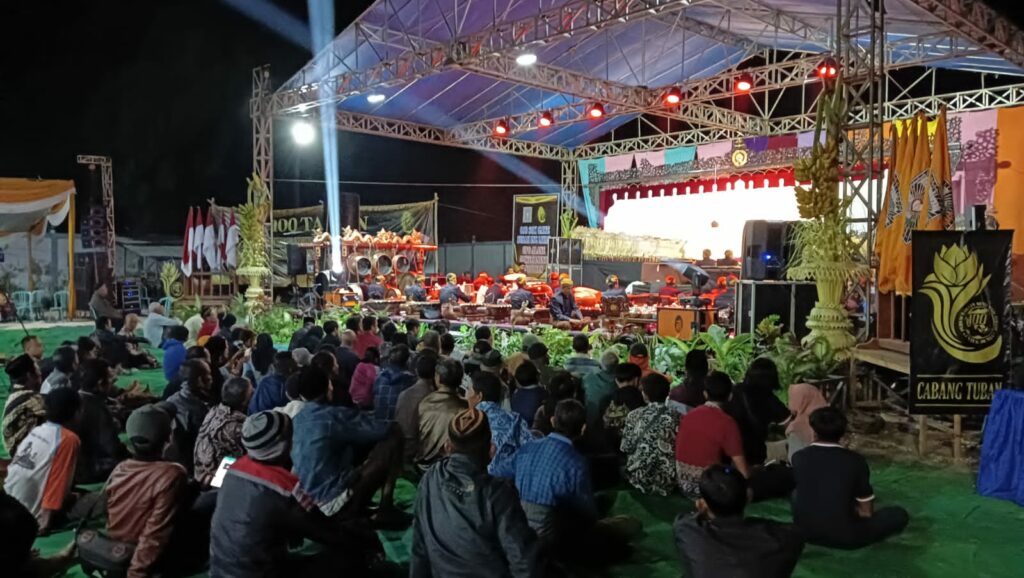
{"points": [[447, 71]]}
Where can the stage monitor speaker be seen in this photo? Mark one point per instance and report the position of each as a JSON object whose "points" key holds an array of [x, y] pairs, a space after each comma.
{"points": [[297, 261], [348, 205], [766, 249], [792, 301]]}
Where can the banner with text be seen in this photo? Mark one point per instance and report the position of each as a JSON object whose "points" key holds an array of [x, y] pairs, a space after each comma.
{"points": [[534, 220], [960, 338]]}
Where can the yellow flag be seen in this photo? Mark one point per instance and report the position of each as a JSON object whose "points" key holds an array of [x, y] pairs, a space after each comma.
{"points": [[937, 210], [888, 265], [919, 176], [892, 205]]}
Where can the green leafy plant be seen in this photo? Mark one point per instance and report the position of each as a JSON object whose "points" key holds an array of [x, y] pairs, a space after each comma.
{"points": [[252, 217], [278, 322], [169, 273], [185, 311], [559, 344], [797, 364], [508, 342], [670, 354], [767, 332], [568, 221], [731, 356]]}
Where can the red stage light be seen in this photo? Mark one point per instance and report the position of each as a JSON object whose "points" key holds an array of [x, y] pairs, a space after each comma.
{"points": [[828, 68], [501, 128], [596, 110], [673, 96], [545, 119], [744, 83]]}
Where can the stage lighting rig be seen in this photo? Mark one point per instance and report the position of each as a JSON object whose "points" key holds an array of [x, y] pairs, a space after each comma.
{"points": [[744, 83], [673, 96], [501, 128], [596, 110], [545, 120]]}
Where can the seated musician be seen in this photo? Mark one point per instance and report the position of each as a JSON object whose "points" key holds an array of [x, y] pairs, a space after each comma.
{"points": [[614, 288], [706, 260], [376, 290], [670, 290], [519, 296], [728, 261], [564, 309], [415, 290], [495, 292], [452, 292]]}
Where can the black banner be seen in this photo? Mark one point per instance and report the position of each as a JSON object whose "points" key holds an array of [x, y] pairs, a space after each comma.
{"points": [[534, 220], [960, 334]]}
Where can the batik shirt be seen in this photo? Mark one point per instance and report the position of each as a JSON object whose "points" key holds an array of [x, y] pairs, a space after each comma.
{"points": [[509, 432], [220, 436], [648, 440]]}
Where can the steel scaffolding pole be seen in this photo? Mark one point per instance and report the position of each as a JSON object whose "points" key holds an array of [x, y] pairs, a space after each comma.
{"points": [[263, 147], [106, 166], [862, 145]]}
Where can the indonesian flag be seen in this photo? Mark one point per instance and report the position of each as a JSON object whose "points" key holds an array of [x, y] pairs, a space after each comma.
{"points": [[198, 232], [222, 239], [210, 250], [186, 248], [231, 246]]}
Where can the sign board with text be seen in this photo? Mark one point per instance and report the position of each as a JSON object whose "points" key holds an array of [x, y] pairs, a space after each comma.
{"points": [[960, 334], [534, 220]]}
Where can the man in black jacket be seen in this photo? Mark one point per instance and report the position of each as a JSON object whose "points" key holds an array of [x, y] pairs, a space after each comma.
{"points": [[468, 523], [98, 428], [261, 508], [718, 541]]}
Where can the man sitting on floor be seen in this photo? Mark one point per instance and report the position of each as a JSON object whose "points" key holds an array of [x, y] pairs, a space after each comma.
{"points": [[220, 436], [328, 439], [393, 379], [262, 508], [833, 503], [407, 410], [145, 493], [580, 363], [718, 541], [98, 427], [467, 523], [707, 436], [191, 404], [437, 410], [25, 407], [648, 440], [509, 431], [43, 469], [270, 391]]}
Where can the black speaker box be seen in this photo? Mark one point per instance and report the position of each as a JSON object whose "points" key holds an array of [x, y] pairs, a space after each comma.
{"points": [[766, 249], [791, 301], [297, 260]]}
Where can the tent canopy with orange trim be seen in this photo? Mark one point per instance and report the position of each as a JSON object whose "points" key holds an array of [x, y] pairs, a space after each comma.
{"points": [[26, 205]]}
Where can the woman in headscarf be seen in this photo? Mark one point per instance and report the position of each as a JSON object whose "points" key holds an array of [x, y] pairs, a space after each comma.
{"points": [[804, 398]]}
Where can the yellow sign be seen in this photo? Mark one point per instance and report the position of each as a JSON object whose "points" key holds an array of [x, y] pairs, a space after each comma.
{"points": [[966, 327]]}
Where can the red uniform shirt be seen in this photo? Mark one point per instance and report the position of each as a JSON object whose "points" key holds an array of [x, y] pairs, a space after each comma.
{"points": [[707, 436]]}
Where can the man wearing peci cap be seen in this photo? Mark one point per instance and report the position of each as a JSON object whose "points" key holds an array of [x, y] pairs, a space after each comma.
{"points": [[146, 492], [670, 290], [563, 304], [614, 287], [468, 523], [262, 507]]}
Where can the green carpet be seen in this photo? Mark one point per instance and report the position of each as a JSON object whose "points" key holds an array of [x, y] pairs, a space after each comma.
{"points": [[953, 532]]}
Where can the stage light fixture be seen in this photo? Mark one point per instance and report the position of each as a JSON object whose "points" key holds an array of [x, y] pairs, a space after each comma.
{"points": [[596, 110], [375, 98], [526, 59], [744, 83], [501, 128], [828, 68], [673, 96], [545, 120], [303, 132]]}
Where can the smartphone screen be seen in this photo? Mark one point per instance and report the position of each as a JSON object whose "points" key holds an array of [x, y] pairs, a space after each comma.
{"points": [[222, 470]]}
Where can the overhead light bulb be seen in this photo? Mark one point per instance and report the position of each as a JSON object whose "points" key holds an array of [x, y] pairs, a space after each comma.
{"points": [[744, 83], [526, 59], [596, 110], [375, 98], [828, 68], [545, 119], [501, 128], [303, 132], [673, 96]]}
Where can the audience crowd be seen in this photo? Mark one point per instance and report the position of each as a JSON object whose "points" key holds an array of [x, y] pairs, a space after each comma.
{"points": [[251, 451]]}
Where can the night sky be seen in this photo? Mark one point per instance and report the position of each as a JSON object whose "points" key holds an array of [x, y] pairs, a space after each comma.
{"points": [[163, 88]]}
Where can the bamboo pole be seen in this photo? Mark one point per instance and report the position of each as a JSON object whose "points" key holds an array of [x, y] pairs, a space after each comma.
{"points": [[922, 434], [958, 438]]}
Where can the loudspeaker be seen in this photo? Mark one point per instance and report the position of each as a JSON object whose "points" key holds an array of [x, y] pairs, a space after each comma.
{"points": [[297, 260], [348, 206], [792, 301], [766, 249]]}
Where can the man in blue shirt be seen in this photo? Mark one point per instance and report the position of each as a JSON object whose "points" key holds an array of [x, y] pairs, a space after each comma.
{"points": [[394, 378], [174, 351], [614, 287], [376, 289], [415, 290], [452, 292], [270, 391], [509, 431], [563, 304], [519, 296], [326, 441]]}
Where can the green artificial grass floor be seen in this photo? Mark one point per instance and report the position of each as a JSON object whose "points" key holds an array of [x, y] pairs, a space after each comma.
{"points": [[953, 532]]}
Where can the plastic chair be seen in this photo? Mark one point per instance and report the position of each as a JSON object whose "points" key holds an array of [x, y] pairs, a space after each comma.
{"points": [[38, 300], [60, 304], [22, 304]]}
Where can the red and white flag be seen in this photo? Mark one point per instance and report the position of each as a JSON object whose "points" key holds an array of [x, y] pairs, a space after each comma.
{"points": [[186, 248], [231, 246], [198, 231], [222, 240], [210, 250]]}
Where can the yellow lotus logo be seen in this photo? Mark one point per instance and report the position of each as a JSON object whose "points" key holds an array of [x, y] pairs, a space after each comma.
{"points": [[542, 215], [966, 327]]}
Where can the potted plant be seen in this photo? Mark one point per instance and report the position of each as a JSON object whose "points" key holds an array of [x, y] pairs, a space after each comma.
{"points": [[823, 249]]}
